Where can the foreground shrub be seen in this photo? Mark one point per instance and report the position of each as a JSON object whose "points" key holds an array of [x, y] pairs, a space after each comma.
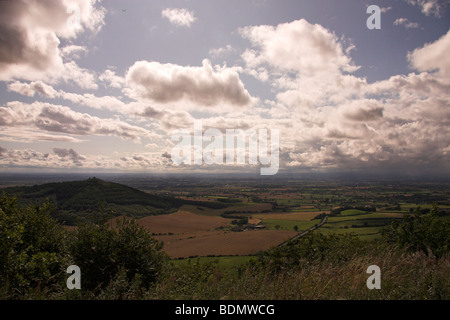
{"points": [[428, 233], [102, 251], [312, 248], [33, 250]]}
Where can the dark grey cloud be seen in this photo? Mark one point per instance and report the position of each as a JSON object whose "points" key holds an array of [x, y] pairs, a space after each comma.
{"points": [[164, 155], [71, 155], [362, 114], [150, 112]]}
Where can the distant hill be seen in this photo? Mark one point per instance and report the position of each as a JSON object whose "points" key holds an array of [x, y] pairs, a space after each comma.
{"points": [[78, 200]]}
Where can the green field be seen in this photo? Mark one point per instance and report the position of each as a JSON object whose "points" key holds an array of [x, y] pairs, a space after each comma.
{"points": [[369, 233], [367, 225], [352, 212], [289, 224]]}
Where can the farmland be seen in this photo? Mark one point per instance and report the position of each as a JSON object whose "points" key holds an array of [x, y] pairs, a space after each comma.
{"points": [[243, 217], [234, 238]]}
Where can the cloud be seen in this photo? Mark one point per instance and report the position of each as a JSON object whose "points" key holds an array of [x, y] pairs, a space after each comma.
{"points": [[167, 83], [406, 23], [73, 52], [365, 111], [332, 119], [406, 126], [70, 154], [60, 159], [179, 17], [59, 119], [31, 32], [82, 77], [167, 119], [25, 157], [30, 89], [110, 78], [29, 135], [217, 52], [297, 46], [110, 103], [305, 63], [432, 56], [429, 7]]}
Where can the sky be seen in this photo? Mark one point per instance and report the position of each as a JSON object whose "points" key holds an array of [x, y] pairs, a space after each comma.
{"points": [[105, 86]]}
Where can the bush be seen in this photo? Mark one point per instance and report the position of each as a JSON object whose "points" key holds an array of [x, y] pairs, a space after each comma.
{"points": [[422, 232], [33, 250], [102, 251], [312, 248]]}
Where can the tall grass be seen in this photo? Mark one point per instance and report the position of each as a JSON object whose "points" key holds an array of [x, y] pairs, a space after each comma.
{"points": [[404, 275]]}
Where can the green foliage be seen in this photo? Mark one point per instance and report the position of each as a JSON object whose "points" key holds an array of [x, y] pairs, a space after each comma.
{"points": [[35, 252], [102, 251], [33, 249], [425, 232], [313, 247]]}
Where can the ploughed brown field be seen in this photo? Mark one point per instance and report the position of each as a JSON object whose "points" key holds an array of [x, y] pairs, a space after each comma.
{"points": [[188, 234], [223, 242], [182, 222]]}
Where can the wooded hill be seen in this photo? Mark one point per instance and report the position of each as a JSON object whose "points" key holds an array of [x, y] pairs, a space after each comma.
{"points": [[76, 201]]}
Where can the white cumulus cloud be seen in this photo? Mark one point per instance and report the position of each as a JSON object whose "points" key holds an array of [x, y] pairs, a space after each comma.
{"points": [[179, 17], [205, 85], [433, 56], [30, 35]]}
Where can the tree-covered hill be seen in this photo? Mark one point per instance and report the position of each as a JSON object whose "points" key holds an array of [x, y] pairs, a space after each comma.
{"points": [[77, 200]]}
